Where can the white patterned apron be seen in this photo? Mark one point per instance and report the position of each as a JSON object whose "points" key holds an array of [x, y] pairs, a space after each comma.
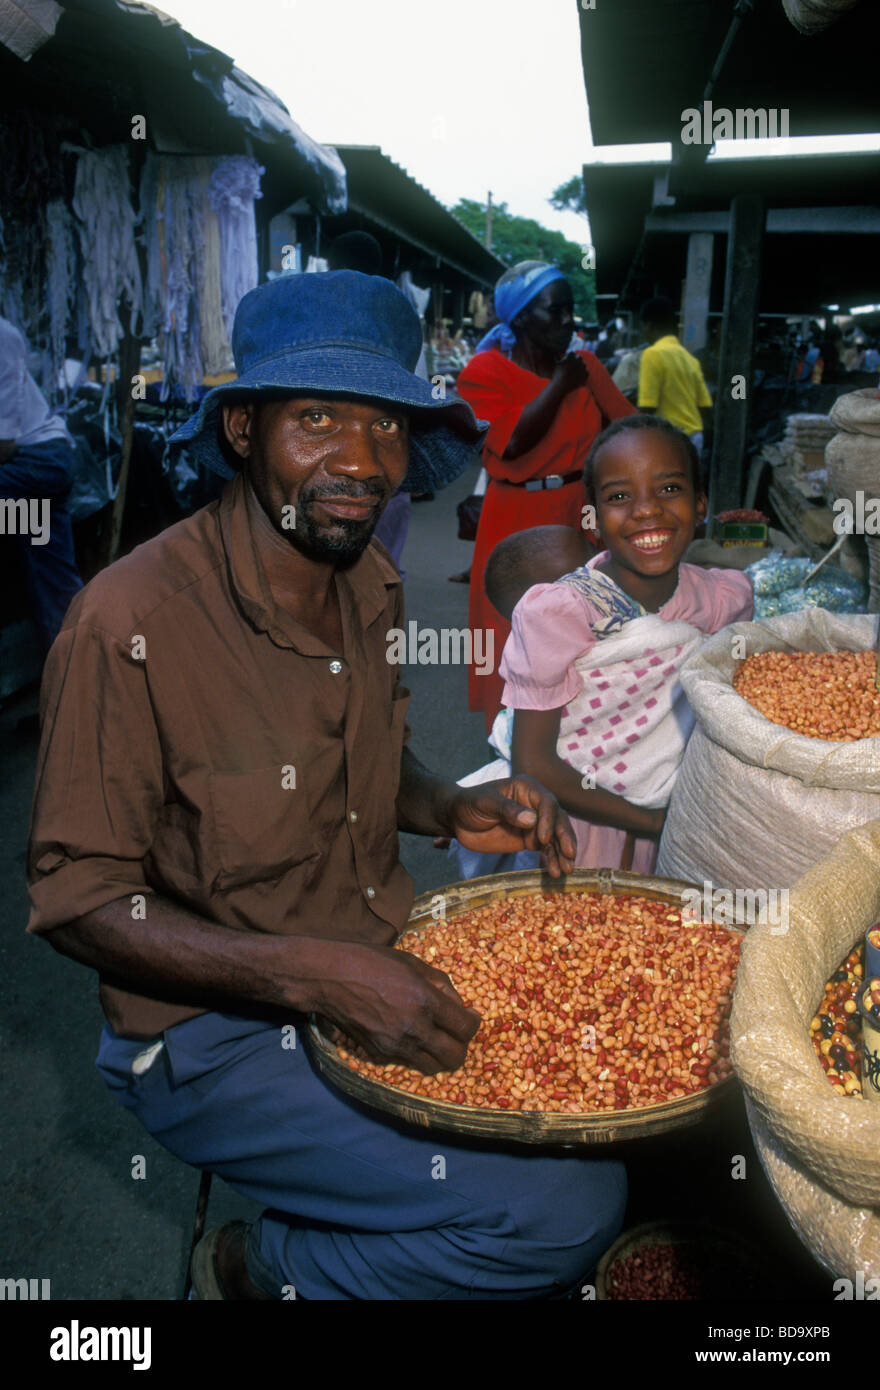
{"points": [[629, 723]]}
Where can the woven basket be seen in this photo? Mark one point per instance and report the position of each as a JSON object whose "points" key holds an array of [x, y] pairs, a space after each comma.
{"points": [[524, 1127]]}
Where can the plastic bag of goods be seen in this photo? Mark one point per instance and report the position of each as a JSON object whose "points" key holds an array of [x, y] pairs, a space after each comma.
{"points": [[820, 1149], [755, 803], [779, 587]]}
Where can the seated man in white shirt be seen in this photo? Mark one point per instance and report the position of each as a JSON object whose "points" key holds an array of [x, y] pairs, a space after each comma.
{"points": [[36, 463]]}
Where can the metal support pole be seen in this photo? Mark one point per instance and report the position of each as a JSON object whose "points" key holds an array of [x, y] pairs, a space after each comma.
{"points": [[698, 285], [733, 402]]}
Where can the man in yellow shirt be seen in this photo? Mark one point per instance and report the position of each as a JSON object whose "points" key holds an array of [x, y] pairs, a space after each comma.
{"points": [[671, 380]]}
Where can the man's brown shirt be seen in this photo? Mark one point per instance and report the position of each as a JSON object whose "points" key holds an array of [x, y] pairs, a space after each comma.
{"points": [[200, 743]]}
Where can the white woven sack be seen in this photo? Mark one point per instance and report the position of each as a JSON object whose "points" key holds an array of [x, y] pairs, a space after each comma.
{"points": [[821, 1149], [858, 412], [841, 1236], [811, 16], [756, 804]]}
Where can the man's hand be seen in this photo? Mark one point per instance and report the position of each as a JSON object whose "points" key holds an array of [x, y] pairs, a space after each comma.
{"points": [[399, 1009], [503, 817]]}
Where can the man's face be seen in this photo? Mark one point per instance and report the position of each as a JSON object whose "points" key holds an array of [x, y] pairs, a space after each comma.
{"points": [[335, 461]]}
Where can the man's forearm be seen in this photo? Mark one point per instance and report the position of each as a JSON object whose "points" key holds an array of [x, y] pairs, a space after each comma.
{"points": [[174, 954], [423, 800]]}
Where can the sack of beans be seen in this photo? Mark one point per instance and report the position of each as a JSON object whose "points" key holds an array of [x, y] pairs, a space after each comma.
{"points": [[853, 458], [820, 1148], [811, 16], [778, 767]]}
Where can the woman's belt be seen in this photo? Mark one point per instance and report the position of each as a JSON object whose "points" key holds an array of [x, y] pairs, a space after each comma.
{"points": [[551, 481]]}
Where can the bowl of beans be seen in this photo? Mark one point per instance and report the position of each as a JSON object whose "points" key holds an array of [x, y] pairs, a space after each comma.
{"points": [[827, 695], [604, 1011], [681, 1261]]}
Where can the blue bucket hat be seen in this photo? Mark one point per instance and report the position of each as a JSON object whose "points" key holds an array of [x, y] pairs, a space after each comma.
{"points": [[338, 333]]}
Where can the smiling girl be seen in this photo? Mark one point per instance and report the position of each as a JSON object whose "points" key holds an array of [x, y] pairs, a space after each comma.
{"points": [[591, 666]]}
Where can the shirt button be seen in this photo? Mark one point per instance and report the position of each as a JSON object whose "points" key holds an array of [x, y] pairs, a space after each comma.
{"points": [[353, 815], [336, 667], [371, 892]]}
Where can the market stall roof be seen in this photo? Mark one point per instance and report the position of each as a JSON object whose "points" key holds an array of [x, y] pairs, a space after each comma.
{"points": [[386, 194], [103, 61], [646, 61], [822, 223]]}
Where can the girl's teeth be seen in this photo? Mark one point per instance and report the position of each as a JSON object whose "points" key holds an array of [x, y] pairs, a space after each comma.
{"points": [[651, 542]]}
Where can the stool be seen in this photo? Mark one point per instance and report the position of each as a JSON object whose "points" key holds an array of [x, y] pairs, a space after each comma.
{"points": [[198, 1228]]}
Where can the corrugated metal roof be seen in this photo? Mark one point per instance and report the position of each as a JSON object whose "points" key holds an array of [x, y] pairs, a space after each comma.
{"points": [[106, 54], [384, 191], [645, 61], [803, 267]]}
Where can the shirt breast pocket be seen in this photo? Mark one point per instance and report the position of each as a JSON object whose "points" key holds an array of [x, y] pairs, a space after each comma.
{"points": [[262, 825]]}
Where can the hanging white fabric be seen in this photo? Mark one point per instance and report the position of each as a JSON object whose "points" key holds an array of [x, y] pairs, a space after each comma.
{"points": [[234, 187], [201, 256], [106, 227]]}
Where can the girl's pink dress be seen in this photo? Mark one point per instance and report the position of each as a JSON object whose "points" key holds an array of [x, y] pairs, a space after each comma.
{"points": [[551, 630]]}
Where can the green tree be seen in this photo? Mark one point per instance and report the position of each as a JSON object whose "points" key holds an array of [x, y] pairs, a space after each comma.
{"points": [[523, 239], [570, 196]]}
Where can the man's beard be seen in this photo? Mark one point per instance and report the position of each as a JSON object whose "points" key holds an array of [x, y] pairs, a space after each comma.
{"points": [[346, 540]]}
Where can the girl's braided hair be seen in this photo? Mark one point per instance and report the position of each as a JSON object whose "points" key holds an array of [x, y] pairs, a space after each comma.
{"points": [[644, 422]]}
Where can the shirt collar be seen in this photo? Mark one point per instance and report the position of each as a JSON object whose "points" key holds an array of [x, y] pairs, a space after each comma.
{"points": [[246, 532]]}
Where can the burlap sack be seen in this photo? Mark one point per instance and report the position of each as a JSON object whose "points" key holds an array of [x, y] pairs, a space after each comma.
{"points": [[857, 411], [821, 1150], [755, 804], [853, 459], [811, 16]]}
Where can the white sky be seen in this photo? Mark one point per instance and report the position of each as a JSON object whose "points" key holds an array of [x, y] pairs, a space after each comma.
{"points": [[467, 95]]}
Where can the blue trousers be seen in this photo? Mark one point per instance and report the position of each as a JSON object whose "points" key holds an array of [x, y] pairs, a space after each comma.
{"points": [[35, 472], [359, 1206]]}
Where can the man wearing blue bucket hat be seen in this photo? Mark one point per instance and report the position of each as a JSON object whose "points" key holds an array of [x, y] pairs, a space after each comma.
{"points": [[222, 776]]}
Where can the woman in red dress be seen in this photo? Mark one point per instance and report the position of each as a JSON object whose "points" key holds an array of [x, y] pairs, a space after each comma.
{"points": [[545, 406]]}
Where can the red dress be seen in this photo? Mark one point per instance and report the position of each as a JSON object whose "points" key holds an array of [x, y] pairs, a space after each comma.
{"points": [[499, 390]]}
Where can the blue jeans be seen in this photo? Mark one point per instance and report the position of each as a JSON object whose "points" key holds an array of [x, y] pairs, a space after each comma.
{"points": [[356, 1204], [35, 472]]}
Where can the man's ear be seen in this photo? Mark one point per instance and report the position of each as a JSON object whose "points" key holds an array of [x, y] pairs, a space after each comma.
{"points": [[237, 424]]}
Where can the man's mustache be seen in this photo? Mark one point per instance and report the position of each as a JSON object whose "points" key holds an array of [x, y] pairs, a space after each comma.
{"points": [[351, 494]]}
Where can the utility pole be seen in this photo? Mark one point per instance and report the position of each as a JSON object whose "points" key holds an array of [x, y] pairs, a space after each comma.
{"points": [[489, 221]]}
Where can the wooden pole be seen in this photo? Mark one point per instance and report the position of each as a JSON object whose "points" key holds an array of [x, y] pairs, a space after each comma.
{"points": [[129, 362], [733, 402]]}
